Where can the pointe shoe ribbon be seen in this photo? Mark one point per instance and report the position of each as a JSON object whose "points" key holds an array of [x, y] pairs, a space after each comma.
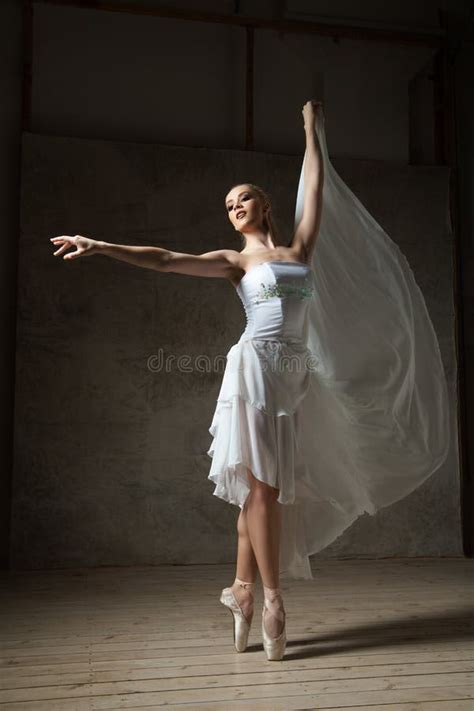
{"points": [[274, 646], [241, 626]]}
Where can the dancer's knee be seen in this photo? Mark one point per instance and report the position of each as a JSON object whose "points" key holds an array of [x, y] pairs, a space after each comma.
{"points": [[260, 491]]}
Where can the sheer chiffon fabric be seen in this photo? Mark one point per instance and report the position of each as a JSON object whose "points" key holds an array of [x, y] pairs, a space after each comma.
{"points": [[376, 347]]}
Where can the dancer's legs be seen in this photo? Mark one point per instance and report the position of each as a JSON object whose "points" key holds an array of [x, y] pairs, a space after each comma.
{"points": [[258, 527]]}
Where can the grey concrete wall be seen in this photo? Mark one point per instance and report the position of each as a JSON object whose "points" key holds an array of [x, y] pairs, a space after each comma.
{"points": [[110, 453]]}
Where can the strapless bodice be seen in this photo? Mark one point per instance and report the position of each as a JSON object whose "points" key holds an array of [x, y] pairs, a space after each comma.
{"points": [[276, 297]]}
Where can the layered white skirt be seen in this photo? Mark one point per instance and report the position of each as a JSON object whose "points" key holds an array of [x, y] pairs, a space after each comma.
{"points": [[281, 423]]}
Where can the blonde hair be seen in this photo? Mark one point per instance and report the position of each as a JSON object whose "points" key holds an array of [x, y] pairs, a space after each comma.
{"points": [[268, 221]]}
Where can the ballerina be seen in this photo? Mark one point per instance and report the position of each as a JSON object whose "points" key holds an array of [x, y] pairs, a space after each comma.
{"points": [[333, 402]]}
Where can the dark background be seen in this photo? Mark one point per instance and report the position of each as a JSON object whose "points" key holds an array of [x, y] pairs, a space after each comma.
{"points": [[396, 84]]}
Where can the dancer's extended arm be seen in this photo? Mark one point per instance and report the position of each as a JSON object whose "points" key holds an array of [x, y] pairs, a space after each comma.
{"points": [[304, 239], [218, 263]]}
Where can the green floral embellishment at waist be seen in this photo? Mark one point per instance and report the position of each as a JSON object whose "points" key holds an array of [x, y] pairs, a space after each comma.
{"points": [[285, 289]]}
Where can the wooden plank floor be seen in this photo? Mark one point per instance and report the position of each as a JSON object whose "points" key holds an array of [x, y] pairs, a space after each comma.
{"points": [[365, 634]]}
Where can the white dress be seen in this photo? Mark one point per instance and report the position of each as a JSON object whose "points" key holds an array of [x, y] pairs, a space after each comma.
{"points": [[335, 392]]}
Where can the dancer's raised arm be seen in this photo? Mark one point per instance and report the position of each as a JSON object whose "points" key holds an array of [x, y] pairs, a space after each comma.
{"points": [[218, 263], [304, 239]]}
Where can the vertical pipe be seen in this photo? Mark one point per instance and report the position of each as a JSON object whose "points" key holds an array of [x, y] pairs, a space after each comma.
{"points": [[249, 35], [27, 64], [440, 106], [459, 249]]}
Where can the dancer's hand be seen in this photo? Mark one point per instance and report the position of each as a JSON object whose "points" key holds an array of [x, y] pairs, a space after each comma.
{"points": [[85, 246], [311, 110]]}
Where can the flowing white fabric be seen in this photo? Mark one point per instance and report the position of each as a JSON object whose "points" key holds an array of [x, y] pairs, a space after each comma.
{"points": [[376, 349]]}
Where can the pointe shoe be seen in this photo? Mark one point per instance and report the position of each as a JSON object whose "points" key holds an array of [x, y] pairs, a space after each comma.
{"points": [[274, 646], [241, 626]]}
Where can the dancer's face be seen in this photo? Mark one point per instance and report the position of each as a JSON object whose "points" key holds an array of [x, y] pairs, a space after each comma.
{"points": [[240, 200]]}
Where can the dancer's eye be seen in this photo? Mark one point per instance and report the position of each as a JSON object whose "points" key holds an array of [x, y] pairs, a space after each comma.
{"points": [[244, 197]]}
